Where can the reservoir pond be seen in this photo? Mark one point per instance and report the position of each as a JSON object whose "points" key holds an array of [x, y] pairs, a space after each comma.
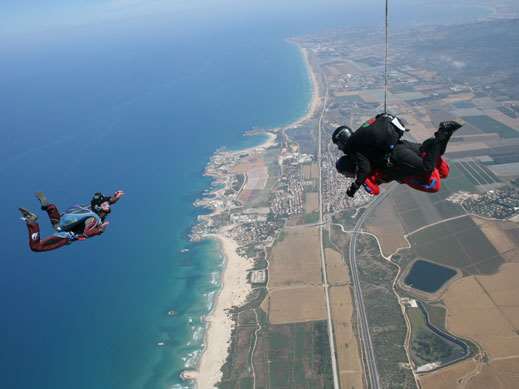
{"points": [[427, 276]]}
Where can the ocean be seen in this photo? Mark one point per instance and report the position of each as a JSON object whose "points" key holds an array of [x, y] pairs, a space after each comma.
{"points": [[137, 105]]}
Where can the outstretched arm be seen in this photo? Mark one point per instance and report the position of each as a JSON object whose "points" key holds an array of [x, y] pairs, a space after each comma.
{"points": [[115, 198]]}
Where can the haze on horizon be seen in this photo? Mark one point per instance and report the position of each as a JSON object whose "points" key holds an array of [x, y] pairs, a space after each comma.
{"points": [[26, 17]]}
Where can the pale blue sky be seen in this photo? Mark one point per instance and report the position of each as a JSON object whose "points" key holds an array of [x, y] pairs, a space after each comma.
{"points": [[29, 16]]}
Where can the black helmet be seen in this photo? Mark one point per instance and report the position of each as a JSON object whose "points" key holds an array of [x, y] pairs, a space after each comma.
{"points": [[97, 200], [341, 135], [346, 165]]}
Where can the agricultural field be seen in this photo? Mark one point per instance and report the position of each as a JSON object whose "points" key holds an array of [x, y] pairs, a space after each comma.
{"points": [[290, 356], [256, 175], [311, 204], [343, 318], [296, 260], [451, 377], [457, 243], [416, 209], [283, 306], [488, 125], [483, 309], [336, 269], [503, 235], [385, 224], [311, 171], [346, 344]]}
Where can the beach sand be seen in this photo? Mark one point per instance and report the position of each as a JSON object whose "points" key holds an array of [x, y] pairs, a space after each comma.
{"points": [[316, 97], [234, 291]]}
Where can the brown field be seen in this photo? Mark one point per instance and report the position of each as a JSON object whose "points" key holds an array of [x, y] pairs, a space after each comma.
{"points": [[466, 146], [502, 374], [295, 305], [296, 259], [311, 171], [370, 95], [311, 202], [459, 97], [485, 309], [256, 172], [346, 93], [502, 235], [425, 74], [348, 356], [420, 130], [501, 117], [336, 269], [337, 69], [385, 224], [451, 377], [248, 195]]}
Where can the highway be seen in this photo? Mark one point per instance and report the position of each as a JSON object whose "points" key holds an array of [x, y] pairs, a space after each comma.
{"points": [[333, 355], [370, 365], [368, 353]]}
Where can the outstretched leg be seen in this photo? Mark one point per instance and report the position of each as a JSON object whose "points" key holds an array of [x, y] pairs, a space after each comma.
{"points": [[51, 209], [47, 244], [35, 243], [408, 161]]}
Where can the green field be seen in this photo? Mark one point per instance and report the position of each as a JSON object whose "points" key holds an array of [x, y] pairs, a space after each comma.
{"points": [[457, 181], [489, 125], [386, 322], [311, 217], [286, 356], [426, 346], [457, 243], [437, 315]]}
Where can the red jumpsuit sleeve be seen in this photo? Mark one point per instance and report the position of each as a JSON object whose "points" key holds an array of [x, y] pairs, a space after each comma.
{"points": [[371, 185]]}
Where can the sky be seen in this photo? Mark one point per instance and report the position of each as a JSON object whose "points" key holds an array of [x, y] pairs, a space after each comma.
{"points": [[19, 17]]}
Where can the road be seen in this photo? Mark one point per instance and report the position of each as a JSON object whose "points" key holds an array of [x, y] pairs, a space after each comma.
{"points": [[333, 355], [371, 370], [365, 338]]}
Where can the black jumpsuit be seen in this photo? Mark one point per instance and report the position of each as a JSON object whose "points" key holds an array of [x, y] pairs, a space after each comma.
{"points": [[371, 145], [377, 145]]}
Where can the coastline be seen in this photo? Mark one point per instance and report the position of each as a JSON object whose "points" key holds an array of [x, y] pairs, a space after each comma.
{"points": [[315, 99], [233, 292], [235, 286]]}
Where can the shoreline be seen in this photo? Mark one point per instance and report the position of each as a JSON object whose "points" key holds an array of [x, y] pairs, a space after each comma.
{"points": [[233, 292], [235, 286]]}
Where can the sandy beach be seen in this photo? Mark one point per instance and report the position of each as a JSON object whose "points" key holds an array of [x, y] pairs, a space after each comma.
{"points": [[234, 292], [235, 287], [316, 97], [269, 142]]}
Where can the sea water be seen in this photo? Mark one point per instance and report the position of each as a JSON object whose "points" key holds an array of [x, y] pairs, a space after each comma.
{"points": [[139, 106]]}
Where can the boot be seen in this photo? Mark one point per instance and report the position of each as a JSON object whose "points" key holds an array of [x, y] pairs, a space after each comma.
{"points": [[43, 200], [447, 128], [28, 216], [444, 133]]}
